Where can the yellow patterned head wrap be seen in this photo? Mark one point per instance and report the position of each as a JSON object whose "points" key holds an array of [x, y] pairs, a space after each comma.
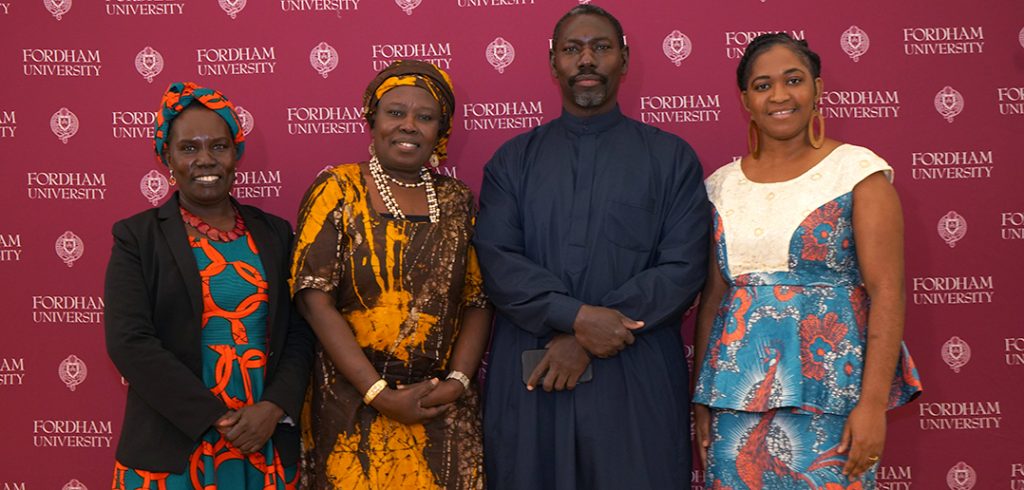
{"points": [[420, 74]]}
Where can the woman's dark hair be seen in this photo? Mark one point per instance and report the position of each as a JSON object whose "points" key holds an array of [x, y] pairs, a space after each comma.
{"points": [[763, 43], [588, 9]]}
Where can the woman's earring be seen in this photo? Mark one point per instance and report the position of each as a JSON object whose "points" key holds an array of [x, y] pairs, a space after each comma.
{"points": [[816, 141], [435, 161], [172, 181], [753, 140], [373, 153]]}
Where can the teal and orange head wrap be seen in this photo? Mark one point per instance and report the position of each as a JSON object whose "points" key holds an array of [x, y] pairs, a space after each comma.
{"points": [[417, 74], [181, 95]]}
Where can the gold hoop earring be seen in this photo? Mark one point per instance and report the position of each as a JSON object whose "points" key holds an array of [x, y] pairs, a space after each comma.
{"points": [[753, 140], [435, 161], [172, 181], [816, 141]]}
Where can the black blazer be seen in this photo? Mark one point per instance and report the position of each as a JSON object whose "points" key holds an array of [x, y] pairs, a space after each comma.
{"points": [[153, 321]]}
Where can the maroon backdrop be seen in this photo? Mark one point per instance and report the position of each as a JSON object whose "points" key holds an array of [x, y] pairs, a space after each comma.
{"points": [[936, 88]]}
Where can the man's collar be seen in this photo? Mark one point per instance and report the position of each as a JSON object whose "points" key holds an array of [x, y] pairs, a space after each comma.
{"points": [[592, 124]]}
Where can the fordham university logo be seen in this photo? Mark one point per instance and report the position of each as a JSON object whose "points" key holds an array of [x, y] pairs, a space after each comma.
{"points": [[949, 103], [74, 484], [232, 7], [64, 124], [408, 5], [72, 372], [149, 63], [57, 7], [323, 58], [676, 47], [245, 117], [855, 43], [952, 227], [1020, 37], [154, 187], [500, 54], [956, 353], [69, 248], [961, 477]]}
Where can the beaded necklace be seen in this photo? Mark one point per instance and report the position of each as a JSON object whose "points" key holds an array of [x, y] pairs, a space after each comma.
{"points": [[407, 185], [380, 179], [211, 232]]}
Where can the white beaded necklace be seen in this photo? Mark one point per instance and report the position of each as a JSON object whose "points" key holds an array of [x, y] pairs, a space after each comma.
{"points": [[381, 180]]}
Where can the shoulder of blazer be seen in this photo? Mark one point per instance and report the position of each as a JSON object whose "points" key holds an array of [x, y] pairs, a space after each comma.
{"points": [[145, 225]]}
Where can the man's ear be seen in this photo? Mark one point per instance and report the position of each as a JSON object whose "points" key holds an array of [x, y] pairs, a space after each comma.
{"points": [[625, 59]]}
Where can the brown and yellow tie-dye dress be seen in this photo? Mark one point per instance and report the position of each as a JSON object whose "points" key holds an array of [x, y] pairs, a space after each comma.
{"points": [[402, 286]]}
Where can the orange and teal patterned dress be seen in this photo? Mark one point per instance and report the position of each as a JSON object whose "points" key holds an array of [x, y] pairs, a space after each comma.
{"points": [[402, 286], [234, 358]]}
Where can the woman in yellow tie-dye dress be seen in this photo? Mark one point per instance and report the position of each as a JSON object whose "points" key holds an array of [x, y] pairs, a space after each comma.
{"points": [[384, 272]]}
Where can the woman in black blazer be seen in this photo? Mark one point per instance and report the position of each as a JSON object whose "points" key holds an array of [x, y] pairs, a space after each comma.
{"points": [[199, 319]]}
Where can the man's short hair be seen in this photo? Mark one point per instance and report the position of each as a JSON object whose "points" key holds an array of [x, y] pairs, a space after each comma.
{"points": [[588, 9]]}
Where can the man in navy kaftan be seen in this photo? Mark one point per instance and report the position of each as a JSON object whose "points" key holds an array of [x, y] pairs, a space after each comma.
{"points": [[593, 239]]}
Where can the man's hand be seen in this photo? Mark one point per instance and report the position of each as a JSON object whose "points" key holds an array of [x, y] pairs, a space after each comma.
{"points": [[603, 332], [562, 365], [249, 427]]}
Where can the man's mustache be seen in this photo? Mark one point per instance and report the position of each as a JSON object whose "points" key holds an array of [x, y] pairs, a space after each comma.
{"points": [[589, 73]]}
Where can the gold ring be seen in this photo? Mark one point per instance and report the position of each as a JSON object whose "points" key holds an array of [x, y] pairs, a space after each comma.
{"points": [[872, 458]]}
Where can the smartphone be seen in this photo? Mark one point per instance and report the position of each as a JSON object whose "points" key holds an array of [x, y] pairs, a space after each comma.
{"points": [[531, 358]]}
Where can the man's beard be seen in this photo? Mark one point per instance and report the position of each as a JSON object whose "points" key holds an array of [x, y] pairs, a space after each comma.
{"points": [[593, 97]]}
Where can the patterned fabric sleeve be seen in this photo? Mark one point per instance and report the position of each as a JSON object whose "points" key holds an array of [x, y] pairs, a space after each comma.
{"points": [[473, 291], [317, 260], [473, 295]]}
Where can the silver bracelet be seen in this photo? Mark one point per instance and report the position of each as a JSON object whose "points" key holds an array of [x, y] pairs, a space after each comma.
{"points": [[460, 377]]}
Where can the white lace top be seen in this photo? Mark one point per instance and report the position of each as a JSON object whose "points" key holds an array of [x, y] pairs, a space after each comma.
{"points": [[760, 219]]}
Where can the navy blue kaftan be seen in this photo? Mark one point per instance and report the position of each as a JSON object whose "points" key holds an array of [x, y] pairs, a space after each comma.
{"points": [[603, 211]]}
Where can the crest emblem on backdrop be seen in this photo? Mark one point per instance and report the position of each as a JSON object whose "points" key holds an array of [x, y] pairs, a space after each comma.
{"points": [[855, 43], [500, 53], [961, 477], [952, 227], [69, 248], [154, 187], [149, 63], [677, 47], [408, 5], [64, 124], [74, 485], [232, 7], [1020, 37], [57, 7], [245, 118], [949, 103], [72, 371], [323, 58], [956, 353]]}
